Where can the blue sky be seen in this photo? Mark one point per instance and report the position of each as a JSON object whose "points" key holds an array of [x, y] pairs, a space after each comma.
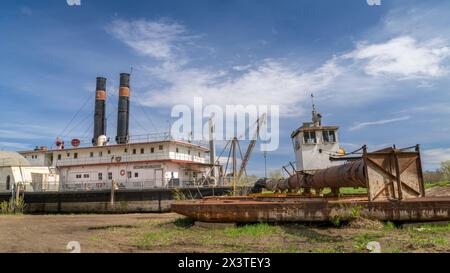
{"points": [[380, 72]]}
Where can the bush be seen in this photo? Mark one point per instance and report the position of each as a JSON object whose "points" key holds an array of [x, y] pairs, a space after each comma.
{"points": [[7, 208]]}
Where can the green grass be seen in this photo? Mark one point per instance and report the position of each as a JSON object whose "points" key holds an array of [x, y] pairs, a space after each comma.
{"points": [[363, 239], [256, 230], [423, 242], [95, 238], [179, 234], [160, 238], [347, 191], [430, 229], [389, 226], [437, 184]]}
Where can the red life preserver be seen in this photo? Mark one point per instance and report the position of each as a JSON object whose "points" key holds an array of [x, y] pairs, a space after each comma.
{"points": [[122, 172]]}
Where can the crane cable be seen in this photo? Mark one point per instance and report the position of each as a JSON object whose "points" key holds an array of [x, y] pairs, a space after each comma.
{"points": [[76, 114]]}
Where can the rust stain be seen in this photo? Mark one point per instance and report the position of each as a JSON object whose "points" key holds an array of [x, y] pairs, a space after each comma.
{"points": [[297, 209]]}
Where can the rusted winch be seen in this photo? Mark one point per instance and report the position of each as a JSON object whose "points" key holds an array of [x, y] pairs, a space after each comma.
{"points": [[387, 174]]}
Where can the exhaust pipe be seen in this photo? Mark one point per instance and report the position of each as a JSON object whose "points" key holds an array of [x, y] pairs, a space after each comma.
{"points": [[123, 114], [99, 113]]}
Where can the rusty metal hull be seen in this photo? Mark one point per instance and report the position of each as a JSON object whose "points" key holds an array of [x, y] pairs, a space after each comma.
{"points": [[298, 209]]}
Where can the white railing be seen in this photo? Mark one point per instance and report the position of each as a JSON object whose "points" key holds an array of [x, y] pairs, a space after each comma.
{"points": [[128, 158], [98, 186], [112, 159]]}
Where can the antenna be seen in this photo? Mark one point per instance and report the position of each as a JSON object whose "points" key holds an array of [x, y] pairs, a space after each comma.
{"points": [[312, 102], [316, 117]]}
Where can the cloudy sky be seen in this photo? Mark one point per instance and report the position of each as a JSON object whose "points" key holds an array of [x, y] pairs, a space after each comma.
{"points": [[379, 72]]}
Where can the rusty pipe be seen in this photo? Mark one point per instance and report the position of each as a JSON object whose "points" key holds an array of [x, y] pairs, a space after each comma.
{"points": [[348, 175]]}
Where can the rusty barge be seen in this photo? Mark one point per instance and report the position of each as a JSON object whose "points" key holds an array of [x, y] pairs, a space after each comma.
{"points": [[392, 177]]}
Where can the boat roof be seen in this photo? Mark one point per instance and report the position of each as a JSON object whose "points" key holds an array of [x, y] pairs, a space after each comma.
{"points": [[9, 159], [305, 128]]}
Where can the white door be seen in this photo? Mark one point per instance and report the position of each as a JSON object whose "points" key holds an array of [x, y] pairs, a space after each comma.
{"points": [[159, 178]]}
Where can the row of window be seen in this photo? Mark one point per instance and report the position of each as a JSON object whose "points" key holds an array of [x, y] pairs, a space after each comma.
{"points": [[100, 154], [100, 175], [189, 152], [329, 136]]}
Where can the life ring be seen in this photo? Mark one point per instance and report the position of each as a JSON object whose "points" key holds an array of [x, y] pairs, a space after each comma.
{"points": [[122, 172]]}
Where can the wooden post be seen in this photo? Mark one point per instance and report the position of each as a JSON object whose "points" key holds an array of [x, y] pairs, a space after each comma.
{"points": [[234, 165], [13, 197], [397, 174], [113, 188], [419, 171]]}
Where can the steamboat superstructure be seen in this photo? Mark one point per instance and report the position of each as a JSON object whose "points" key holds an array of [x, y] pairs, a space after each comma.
{"points": [[131, 162]]}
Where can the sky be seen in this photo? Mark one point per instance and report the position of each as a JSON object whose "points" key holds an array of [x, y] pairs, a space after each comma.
{"points": [[380, 72]]}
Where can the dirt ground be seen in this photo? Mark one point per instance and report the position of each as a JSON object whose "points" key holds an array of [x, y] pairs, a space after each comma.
{"points": [[172, 233], [438, 191]]}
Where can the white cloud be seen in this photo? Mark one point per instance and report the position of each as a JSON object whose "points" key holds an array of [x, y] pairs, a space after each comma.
{"points": [[270, 82], [73, 2], [13, 145], [402, 57], [158, 39], [432, 158], [353, 77], [378, 122]]}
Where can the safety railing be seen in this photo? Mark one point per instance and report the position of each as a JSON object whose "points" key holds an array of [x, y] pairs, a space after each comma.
{"points": [[105, 159]]}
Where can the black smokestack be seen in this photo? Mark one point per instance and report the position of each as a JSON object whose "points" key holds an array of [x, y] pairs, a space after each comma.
{"points": [[99, 115], [123, 115]]}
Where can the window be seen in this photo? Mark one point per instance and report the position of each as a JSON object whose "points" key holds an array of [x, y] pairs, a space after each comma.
{"points": [[152, 150], [309, 137], [100, 154], [189, 152], [136, 175], [161, 147], [8, 183], [125, 150], [86, 175], [59, 157], [92, 154], [68, 154], [177, 150], [329, 136], [142, 150], [75, 155], [134, 151], [110, 176], [129, 174], [199, 154], [109, 152], [78, 176], [100, 176]]}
